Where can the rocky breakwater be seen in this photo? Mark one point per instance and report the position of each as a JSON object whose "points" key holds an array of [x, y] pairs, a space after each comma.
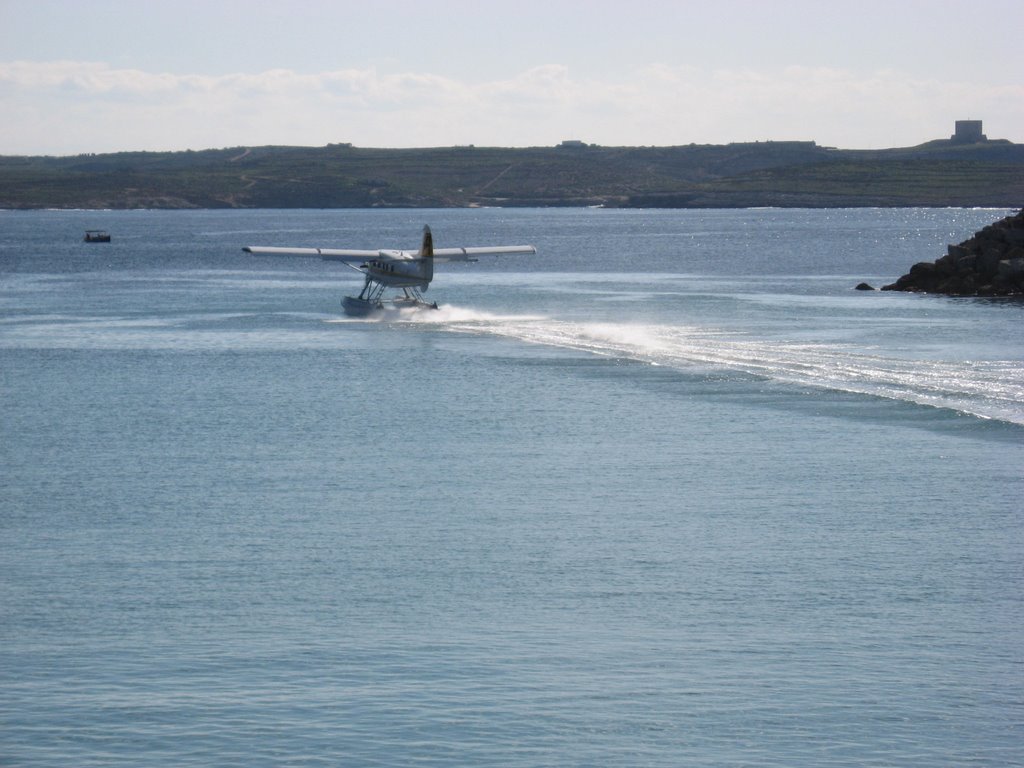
{"points": [[991, 263]]}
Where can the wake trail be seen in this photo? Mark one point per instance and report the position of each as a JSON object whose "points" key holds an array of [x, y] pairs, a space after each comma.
{"points": [[990, 389]]}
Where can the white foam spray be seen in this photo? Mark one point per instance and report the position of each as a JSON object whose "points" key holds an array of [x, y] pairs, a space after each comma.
{"points": [[985, 388]]}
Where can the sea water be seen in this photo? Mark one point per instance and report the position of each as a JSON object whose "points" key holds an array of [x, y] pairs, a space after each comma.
{"points": [[669, 492]]}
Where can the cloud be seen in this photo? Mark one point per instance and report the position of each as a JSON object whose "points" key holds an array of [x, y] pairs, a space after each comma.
{"points": [[66, 107]]}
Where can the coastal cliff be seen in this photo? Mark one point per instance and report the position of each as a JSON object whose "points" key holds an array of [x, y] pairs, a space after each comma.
{"points": [[990, 263]]}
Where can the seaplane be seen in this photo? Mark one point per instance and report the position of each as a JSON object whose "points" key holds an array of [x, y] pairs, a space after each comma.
{"points": [[410, 271]]}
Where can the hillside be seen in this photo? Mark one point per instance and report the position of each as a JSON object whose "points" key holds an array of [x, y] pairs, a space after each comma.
{"points": [[783, 174]]}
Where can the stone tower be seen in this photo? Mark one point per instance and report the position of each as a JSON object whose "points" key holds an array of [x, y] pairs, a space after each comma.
{"points": [[968, 132]]}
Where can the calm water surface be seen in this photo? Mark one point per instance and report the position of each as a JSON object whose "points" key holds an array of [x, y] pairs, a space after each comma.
{"points": [[667, 493]]}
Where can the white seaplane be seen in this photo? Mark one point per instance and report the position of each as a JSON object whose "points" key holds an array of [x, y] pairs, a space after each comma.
{"points": [[411, 271]]}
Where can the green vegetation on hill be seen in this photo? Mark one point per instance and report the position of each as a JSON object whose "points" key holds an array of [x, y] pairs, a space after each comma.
{"points": [[795, 174]]}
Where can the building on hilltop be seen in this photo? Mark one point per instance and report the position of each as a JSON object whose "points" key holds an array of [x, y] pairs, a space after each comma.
{"points": [[968, 132]]}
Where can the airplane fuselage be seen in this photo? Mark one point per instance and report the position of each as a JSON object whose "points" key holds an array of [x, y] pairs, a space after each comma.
{"points": [[399, 273]]}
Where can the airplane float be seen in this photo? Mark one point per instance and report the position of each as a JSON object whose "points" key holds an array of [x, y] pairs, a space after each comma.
{"points": [[411, 271]]}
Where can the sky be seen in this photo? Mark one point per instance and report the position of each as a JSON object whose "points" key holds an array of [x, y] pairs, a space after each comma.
{"points": [[81, 76]]}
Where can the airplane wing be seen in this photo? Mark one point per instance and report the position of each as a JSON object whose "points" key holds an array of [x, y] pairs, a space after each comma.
{"points": [[330, 254], [470, 254], [440, 254]]}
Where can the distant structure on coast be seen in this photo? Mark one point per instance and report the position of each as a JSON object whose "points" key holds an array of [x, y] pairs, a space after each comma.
{"points": [[964, 132], [968, 132]]}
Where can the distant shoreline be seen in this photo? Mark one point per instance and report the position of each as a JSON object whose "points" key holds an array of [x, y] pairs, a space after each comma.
{"points": [[797, 174]]}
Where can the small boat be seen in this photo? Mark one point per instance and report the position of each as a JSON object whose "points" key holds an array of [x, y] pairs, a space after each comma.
{"points": [[96, 236]]}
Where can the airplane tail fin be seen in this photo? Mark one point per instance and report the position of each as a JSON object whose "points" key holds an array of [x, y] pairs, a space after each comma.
{"points": [[427, 248], [427, 255]]}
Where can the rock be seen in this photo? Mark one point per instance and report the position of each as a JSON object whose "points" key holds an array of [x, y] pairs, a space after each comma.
{"points": [[968, 284], [946, 265], [1010, 267], [1017, 252], [988, 259], [990, 263], [967, 264], [864, 287]]}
